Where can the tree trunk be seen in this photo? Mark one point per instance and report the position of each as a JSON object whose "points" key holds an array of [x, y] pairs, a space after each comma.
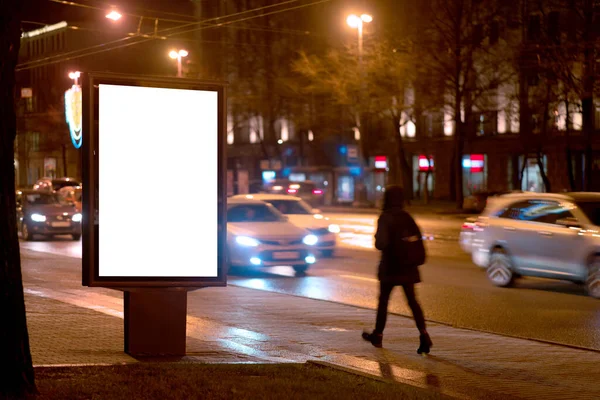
{"points": [[426, 194], [405, 170], [64, 160], [453, 175], [543, 172], [587, 100], [17, 377], [544, 135], [522, 172], [458, 154], [569, 153]]}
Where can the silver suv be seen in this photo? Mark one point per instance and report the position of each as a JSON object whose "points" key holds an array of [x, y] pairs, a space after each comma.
{"points": [[544, 235]]}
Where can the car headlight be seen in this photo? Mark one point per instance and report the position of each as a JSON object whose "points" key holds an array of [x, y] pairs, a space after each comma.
{"points": [[246, 241], [76, 217], [310, 240], [38, 217], [334, 228]]}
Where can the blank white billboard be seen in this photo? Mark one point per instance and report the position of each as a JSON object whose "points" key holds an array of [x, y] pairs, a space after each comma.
{"points": [[158, 182]]}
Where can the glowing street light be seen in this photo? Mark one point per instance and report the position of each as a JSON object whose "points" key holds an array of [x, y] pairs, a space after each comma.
{"points": [[114, 15], [75, 76], [178, 55], [356, 22]]}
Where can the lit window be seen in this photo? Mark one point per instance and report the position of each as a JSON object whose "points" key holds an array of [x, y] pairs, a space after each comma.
{"points": [[501, 121], [285, 134], [448, 123]]}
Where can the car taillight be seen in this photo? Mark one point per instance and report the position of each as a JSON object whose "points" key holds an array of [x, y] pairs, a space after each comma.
{"points": [[317, 191], [292, 191], [468, 225]]}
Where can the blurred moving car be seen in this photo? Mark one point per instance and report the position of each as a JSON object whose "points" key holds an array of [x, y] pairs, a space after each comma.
{"points": [[72, 194], [46, 214], [259, 235], [545, 235], [467, 232], [303, 215], [478, 200], [306, 190], [54, 184]]}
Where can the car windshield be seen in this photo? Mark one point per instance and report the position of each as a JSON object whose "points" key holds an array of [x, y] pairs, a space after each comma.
{"points": [[253, 213], [291, 206], [592, 210], [44, 198]]}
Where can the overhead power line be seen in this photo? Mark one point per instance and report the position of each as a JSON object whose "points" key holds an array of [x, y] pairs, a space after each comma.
{"points": [[131, 40], [72, 3]]}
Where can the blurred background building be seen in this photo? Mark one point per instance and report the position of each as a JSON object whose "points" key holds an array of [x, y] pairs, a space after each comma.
{"points": [[527, 115]]}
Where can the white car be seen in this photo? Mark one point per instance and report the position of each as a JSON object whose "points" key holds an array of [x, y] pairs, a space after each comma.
{"points": [[258, 235], [467, 232], [303, 215], [545, 235]]}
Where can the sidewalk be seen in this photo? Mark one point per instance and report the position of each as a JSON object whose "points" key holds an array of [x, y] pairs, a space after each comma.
{"points": [[69, 324]]}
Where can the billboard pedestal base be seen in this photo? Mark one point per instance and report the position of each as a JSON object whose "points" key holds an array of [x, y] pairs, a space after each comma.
{"points": [[155, 322]]}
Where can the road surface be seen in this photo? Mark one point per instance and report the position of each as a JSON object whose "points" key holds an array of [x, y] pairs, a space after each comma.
{"points": [[453, 290]]}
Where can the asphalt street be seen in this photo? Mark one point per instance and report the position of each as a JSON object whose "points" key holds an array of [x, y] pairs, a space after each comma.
{"points": [[453, 290]]}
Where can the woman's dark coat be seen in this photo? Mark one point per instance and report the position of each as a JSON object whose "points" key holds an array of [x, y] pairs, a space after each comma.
{"points": [[392, 226]]}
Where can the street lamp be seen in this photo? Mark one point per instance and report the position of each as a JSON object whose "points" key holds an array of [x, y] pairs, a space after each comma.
{"points": [[75, 76], [178, 55], [356, 22], [114, 15]]}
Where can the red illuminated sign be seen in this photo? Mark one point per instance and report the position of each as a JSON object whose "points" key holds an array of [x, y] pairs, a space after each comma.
{"points": [[380, 162], [477, 162], [424, 164]]}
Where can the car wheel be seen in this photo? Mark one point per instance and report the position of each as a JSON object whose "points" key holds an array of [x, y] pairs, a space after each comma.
{"points": [[500, 272], [25, 233], [301, 269], [327, 253], [76, 236], [592, 283]]}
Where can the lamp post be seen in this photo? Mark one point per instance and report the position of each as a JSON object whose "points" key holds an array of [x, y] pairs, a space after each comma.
{"points": [[356, 22], [178, 55], [75, 76]]}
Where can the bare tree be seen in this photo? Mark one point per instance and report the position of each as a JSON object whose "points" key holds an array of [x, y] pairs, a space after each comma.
{"points": [[375, 90], [17, 377], [458, 48]]}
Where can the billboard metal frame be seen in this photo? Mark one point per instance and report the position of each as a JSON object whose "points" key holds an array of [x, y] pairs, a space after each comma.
{"points": [[90, 167]]}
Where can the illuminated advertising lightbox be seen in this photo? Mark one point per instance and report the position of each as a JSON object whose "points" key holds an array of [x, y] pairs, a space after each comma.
{"points": [[474, 162], [380, 162], [154, 183], [425, 164]]}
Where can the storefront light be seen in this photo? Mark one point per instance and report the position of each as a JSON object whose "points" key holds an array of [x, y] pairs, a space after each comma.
{"points": [[474, 162], [380, 162], [268, 176], [425, 164]]}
